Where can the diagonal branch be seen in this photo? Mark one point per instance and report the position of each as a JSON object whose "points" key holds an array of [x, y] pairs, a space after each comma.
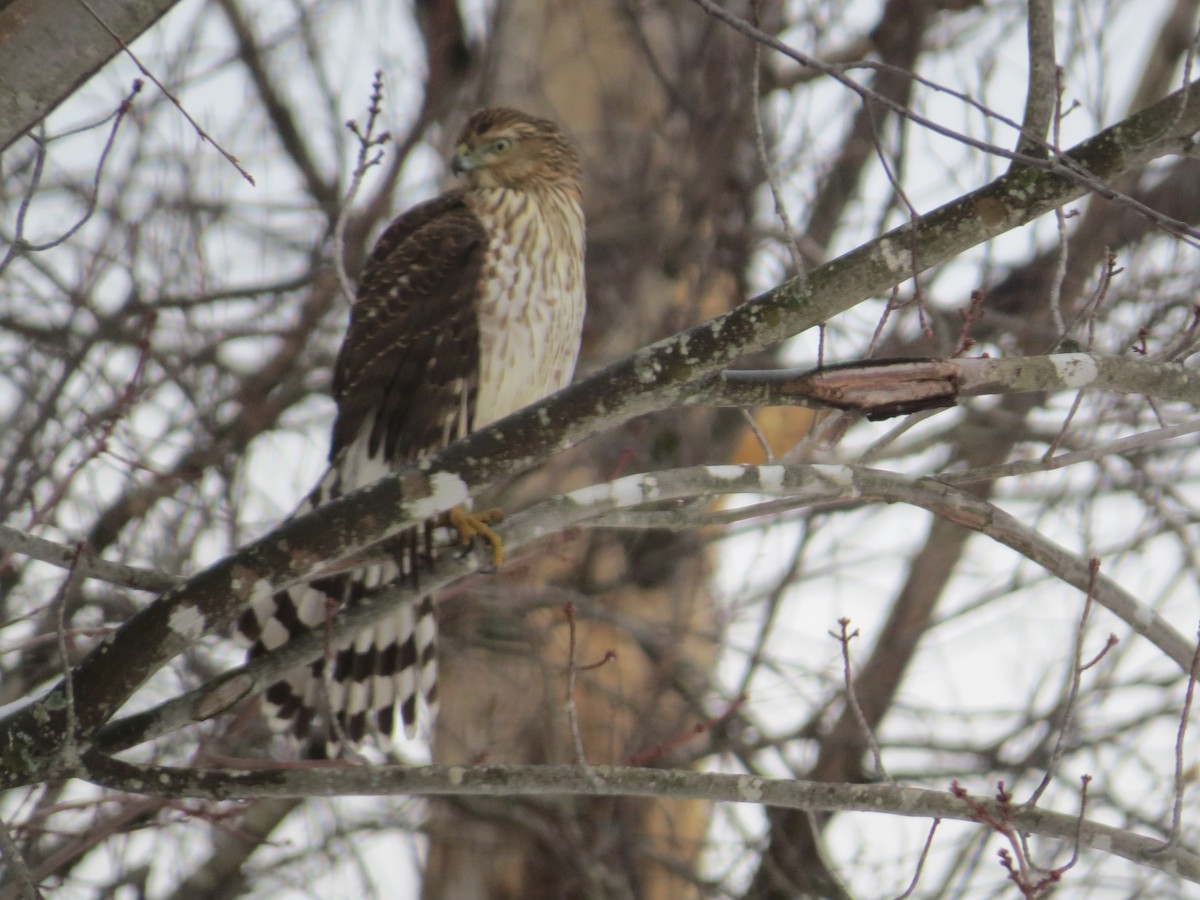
{"points": [[800, 485], [654, 378]]}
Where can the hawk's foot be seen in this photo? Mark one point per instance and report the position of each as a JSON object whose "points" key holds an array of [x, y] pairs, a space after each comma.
{"points": [[471, 525]]}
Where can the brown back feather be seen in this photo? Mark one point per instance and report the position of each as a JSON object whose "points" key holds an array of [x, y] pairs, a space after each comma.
{"points": [[413, 342]]}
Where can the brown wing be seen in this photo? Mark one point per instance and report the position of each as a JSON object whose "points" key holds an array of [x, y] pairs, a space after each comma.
{"points": [[410, 357]]}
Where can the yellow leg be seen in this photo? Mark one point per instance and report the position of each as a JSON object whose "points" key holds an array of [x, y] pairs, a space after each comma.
{"points": [[471, 525]]}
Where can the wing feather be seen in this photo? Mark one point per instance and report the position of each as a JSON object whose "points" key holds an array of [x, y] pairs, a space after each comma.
{"points": [[412, 349]]}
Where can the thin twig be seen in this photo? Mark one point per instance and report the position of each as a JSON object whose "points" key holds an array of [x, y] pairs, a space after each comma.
{"points": [[660, 750], [19, 245], [1084, 781], [1015, 862], [572, 672], [1135, 444], [1184, 344], [789, 233], [1066, 425], [877, 447], [1091, 309], [844, 637], [1060, 222], [1053, 875], [973, 315], [1188, 60], [367, 140], [1177, 811], [64, 593], [893, 304], [898, 193], [1077, 669], [912, 885], [760, 142], [35, 179], [204, 135], [120, 409], [16, 862], [1061, 166], [752, 424], [768, 612], [572, 710]]}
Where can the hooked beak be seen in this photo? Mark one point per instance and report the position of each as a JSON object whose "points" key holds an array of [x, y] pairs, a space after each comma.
{"points": [[461, 163]]}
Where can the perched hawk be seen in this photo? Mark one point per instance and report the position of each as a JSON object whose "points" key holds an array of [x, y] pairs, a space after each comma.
{"points": [[470, 308]]}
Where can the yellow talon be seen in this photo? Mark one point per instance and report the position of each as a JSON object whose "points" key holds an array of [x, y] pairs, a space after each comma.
{"points": [[472, 525]]}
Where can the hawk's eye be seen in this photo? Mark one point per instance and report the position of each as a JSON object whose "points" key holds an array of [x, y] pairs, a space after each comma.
{"points": [[500, 145]]}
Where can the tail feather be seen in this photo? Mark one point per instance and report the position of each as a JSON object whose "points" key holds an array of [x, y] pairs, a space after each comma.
{"points": [[392, 663], [426, 668], [388, 664]]}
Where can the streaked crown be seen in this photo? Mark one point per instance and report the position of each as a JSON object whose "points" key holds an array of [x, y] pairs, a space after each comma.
{"points": [[501, 147]]}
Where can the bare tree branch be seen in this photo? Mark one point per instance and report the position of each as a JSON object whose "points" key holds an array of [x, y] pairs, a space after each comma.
{"points": [[507, 781]]}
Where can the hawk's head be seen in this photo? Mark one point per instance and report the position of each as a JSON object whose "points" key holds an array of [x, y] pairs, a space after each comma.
{"points": [[506, 148]]}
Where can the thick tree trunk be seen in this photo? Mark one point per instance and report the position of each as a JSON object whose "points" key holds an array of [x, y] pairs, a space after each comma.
{"points": [[659, 101]]}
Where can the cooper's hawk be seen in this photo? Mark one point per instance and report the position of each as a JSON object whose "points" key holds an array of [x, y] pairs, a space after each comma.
{"points": [[469, 308]]}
